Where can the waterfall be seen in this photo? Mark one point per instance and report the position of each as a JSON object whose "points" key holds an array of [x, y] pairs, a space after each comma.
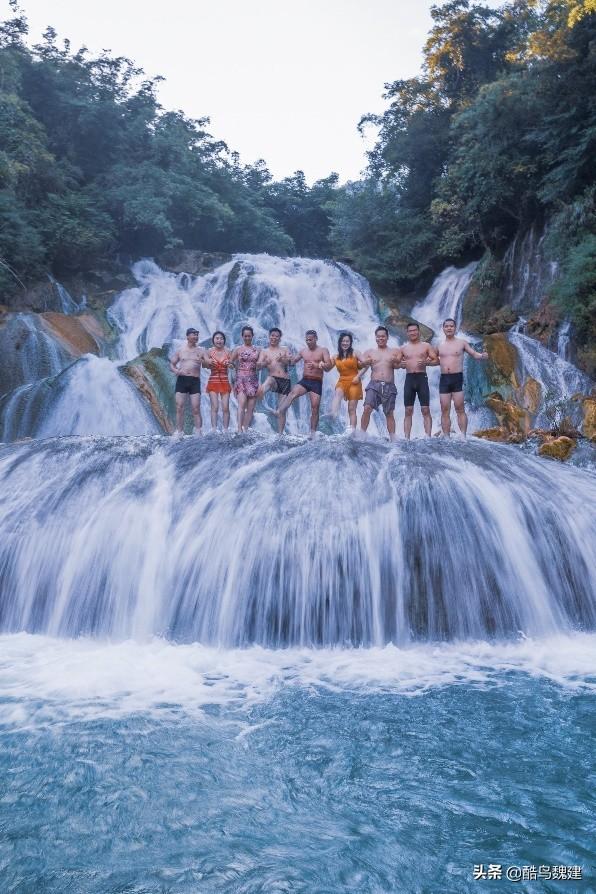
{"points": [[528, 272], [559, 380], [27, 352], [226, 541], [445, 298], [89, 397], [564, 341], [67, 303], [295, 294]]}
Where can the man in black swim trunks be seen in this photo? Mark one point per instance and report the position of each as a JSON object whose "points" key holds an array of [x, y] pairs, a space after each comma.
{"points": [[451, 383], [186, 365], [316, 360], [416, 356], [276, 358]]}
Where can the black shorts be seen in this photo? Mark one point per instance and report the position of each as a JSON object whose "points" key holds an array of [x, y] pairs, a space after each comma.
{"points": [[416, 384], [314, 385], [281, 385], [451, 383], [188, 385]]}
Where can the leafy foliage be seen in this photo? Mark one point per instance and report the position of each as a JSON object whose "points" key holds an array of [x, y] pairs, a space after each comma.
{"points": [[90, 164], [498, 132]]}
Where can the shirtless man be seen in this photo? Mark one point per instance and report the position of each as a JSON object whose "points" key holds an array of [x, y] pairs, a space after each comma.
{"points": [[276, 358], [316, 360], [451, 383], [416, 356], [381, 390], [186, 366]]}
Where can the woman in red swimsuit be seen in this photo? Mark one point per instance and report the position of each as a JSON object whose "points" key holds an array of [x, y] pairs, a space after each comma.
{"points": [[218, 386]]}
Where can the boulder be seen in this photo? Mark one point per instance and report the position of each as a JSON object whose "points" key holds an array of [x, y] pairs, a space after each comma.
{"points": [[531, 395], [151, 374], [514, 419], [499, 435], [503, 361], [557, 448], [196, 263], [589, 423]]}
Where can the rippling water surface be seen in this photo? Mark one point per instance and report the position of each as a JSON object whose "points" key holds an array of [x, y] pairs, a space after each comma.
{"points": [[178, 768]]}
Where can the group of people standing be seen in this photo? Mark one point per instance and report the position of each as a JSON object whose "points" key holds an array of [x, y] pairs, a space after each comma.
{"points": [[248, 360]]}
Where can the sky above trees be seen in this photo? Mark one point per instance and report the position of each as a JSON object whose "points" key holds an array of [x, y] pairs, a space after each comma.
{"points": [[282, 81]]}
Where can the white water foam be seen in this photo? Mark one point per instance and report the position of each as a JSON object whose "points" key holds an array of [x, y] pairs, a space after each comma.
{"points": [[45, 681]]}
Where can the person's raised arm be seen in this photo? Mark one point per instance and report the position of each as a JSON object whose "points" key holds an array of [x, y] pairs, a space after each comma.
{"points": [[174, 361], [475, 354]]}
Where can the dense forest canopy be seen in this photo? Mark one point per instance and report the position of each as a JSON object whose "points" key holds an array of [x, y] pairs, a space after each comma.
{"points": [[497, 132]]}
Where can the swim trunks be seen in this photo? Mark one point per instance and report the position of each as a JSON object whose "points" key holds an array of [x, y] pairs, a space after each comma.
{"points": [[380, 394], [348, 369], [416, 385], [451, 383], [188, 385], [281, 385], [314, 385]]}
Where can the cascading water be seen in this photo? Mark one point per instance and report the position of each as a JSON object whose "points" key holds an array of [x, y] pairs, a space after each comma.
{"points": [[294, 294], [445, 300], [154, 735], [564, 341], [445, 297], [226, 541], [89, 397], [529, 274], [559, 380], [28, 352]]}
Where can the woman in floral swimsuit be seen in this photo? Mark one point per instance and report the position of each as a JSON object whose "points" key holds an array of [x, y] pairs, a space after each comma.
{"points": [[218, 386], [245, 358]]}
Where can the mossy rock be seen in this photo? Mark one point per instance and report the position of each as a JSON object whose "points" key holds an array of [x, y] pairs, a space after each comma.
{"points": [[503, 361], [531, 395], [153, 378], [511, 417], [589, 422], [499, 435], [557, 448]]}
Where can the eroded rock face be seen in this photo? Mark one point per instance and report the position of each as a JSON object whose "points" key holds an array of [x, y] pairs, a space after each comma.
{"points": [[196, 263], [531, 395], [79, 335], [557, 448], [151, 374], [589, 423], [503, 361], [511, 417]]}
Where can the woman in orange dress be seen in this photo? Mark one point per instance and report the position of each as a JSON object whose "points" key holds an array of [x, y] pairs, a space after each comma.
{"points": [[218, 386], [351, 370]]}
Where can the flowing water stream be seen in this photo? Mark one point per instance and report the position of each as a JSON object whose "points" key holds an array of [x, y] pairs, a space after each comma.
{"points": [[246, 664]]}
